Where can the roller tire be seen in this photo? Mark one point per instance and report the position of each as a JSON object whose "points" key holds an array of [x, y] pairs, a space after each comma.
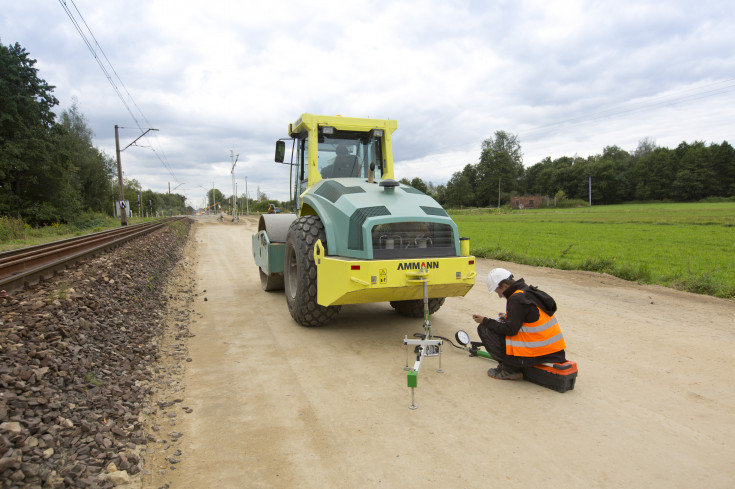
{"points": [[300, 274], [271, 282], [415, 308]]}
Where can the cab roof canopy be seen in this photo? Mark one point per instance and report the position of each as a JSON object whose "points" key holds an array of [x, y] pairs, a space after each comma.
{"points": [[308, 122]]}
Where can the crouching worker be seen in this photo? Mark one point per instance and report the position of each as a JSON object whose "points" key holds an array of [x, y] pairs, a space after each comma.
{"points": [[526, 334]]}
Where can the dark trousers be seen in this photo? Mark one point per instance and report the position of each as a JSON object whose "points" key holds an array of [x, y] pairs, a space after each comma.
{"points": [[495, 346]]}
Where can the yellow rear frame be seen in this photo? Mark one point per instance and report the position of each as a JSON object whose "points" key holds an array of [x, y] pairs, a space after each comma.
{"points": [[349, 281]]}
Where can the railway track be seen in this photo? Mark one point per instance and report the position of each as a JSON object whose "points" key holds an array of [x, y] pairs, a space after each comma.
{"points": [[28, 265]]}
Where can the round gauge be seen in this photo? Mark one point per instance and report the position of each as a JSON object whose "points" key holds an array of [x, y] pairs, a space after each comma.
{"points": [[462, 337]]}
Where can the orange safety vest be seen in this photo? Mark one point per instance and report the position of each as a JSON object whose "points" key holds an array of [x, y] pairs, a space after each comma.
{"points": [[535, 339]]}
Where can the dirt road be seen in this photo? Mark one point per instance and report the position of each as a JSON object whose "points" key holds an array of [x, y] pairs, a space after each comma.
{"points": [[279, 405]]}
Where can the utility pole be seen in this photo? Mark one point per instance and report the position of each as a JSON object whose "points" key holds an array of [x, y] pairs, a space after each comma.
{"points": [[121, 188], [498, 192], [247, 201], [590, 191], [234, 187], [123, 211]]}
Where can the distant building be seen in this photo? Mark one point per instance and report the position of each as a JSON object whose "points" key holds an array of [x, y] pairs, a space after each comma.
{"points": [[528, 201]]}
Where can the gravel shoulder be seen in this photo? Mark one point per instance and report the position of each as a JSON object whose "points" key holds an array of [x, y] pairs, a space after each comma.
{"points": [[78, 364], [273, 404]]}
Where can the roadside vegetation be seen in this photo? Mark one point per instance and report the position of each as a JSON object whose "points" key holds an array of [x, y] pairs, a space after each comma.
{"points": [[684, 246], [15, 233]]}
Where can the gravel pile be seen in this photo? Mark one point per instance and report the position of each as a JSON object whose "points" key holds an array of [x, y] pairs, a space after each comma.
{"points": [[77, 355]]}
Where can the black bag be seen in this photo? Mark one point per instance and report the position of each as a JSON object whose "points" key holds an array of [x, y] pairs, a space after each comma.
{"points": [[543, 300]]}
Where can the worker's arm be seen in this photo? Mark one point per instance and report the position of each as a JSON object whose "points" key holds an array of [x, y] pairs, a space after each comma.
{"points": [[517, 312], [503, 328]]}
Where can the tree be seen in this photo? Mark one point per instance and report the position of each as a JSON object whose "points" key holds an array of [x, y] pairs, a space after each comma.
{"points": [[218, 197], [695, 178], [26, 139], [580, 174], [500, 168], [91, 170], [432, 190], [459, 191], [610, 176], [262, 197], [505, 143], [536, 177], [653, 175], [416, 183], [723, 166], [151, 203], [646, 146], [440, 194], [560, 177]]}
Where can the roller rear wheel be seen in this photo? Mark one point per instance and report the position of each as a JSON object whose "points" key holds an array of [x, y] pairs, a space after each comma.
{"points": [[415, 308]]}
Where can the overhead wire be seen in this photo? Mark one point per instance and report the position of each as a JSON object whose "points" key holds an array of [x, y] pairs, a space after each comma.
{"points": [[94, 54], [656, 102], [75, 22]]}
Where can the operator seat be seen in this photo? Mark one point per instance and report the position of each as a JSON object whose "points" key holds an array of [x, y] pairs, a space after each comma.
{"points": [[345, 165]]}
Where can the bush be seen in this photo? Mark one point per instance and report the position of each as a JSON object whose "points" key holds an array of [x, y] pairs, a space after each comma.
{"points": [[89, 220], [711, 200], [702, 283], [601, 264], [12, 228], [567, 203]]}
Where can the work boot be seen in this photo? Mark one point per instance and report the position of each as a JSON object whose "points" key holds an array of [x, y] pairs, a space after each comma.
{"points": [[504, 373]]}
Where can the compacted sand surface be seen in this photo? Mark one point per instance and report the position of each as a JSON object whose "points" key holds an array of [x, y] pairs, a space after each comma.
{"points": [[273, 404]]}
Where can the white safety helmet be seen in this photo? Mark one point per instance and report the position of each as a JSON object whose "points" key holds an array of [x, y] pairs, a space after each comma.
{"points": [[496, 276]]}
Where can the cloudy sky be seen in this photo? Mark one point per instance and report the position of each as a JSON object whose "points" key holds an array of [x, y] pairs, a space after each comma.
{"points": [[567, 77]]}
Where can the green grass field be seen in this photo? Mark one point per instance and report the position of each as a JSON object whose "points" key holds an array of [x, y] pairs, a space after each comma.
{"points": [[685, 246]]}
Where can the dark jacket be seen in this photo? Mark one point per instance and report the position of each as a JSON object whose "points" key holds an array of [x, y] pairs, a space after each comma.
{"points": [[520, 308]]}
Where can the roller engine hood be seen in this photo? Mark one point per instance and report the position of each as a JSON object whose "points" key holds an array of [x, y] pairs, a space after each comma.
{"points": [[370, 220]]}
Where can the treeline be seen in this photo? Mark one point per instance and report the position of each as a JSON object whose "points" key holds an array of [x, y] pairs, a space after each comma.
{"points": [[690, 172], [49, 170]]}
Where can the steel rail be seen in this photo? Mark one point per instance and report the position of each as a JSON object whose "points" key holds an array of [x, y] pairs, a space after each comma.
{"points": [[28, 265]]}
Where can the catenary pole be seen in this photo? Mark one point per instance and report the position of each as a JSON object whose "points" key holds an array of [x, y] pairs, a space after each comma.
{"points": [[121, 188], [123, 211]]}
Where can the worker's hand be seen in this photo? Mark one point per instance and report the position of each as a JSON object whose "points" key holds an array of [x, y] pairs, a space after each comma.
{"points": [[501, 316], [478, 318]]}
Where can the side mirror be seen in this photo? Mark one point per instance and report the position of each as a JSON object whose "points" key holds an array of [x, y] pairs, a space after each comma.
{"points": [[280, 151]]}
